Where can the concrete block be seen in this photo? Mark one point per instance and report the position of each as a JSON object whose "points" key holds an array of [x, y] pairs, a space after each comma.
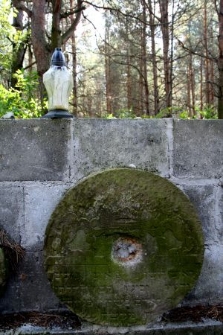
{"points": [[10, 301], [29, 289], [35, 291], [198, 148], [11, 218], [101, 144], [209, 287], [34, 149], [220, 202], [40, 201], [11, 209], [203, 197]]}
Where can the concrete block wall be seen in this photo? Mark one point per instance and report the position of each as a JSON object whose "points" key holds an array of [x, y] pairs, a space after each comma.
{"points": [[41, 159]]}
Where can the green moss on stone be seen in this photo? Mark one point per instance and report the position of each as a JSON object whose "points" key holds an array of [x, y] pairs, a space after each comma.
{"points": [[125, 203]]}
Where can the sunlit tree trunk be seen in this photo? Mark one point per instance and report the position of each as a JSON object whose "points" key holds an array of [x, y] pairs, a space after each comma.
{"points": [[129, 80], [145, 86], [42, 50], [154, 59], [74, 66], [191, 86], [128, 68], [108, 90], [211, 72], [164, 22], [56, 29], [188, 93], [207, 79], [201, 84]]}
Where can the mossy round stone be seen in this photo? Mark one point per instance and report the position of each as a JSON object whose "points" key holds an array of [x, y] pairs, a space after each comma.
{"points": [[3, 272], [122, 247]]}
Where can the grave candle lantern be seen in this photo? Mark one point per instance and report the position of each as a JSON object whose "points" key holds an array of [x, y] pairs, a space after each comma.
{"points": [[58, 82]]}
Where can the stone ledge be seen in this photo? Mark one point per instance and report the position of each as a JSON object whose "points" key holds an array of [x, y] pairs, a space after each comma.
{"points": [[206, 327]]}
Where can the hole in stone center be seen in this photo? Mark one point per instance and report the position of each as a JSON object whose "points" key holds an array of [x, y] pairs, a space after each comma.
{"points": [[127, 251]]}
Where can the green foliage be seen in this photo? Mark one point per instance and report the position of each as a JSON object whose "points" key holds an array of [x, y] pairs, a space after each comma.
{"points": [[209, 112], [166, 112], [184, 115], [169, 112], [125, 114], [27, 82], [21, 102], [6, 36], [122, 114], [110, 116]]}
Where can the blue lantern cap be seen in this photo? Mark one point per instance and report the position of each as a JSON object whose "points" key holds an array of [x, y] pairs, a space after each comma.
{"points": [[58, 58]]}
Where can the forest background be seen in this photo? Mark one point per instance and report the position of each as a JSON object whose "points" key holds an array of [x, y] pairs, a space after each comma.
{"points": [[138, 58]]}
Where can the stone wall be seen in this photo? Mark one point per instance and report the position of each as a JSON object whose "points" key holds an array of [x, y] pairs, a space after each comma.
{"points": [[41, 159]]}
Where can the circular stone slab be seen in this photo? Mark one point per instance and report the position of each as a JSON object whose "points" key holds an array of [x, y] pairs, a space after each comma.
{"points": [[3, 272], [122, 247]]}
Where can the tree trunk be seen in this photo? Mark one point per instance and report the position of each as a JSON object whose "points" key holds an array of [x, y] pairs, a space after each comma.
{"points": [[108, 73], [56, 31], [18, 51], [207, 81], [74, 65], [144, 61], [154, 60], [128, 68], [192, 85], [188, 92], [164, 22], [74, 59], [212, 69], [129, 80], [201, 84], [41, 50]]}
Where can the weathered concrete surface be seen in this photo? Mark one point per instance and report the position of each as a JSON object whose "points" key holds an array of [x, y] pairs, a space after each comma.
{"points": [[12, 209], [28, 209], [41, 159], [40, 200], [101, 144], [206, 199], [34, 150], [198, 149]]}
